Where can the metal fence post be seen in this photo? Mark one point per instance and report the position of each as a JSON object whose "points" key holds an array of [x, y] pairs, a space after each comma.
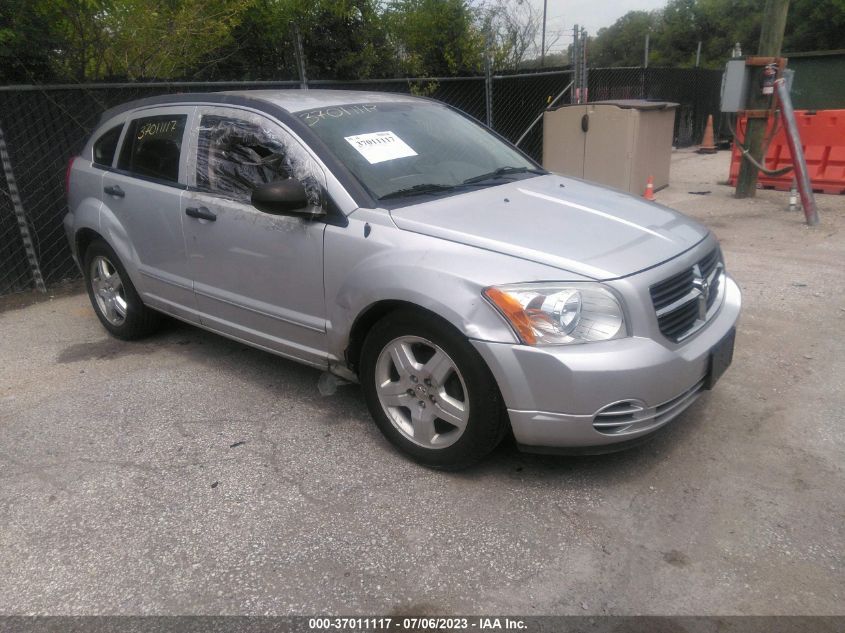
{"points": [[584, 69], [20, 215], [575, 63], [300, 56], [488, 86]]}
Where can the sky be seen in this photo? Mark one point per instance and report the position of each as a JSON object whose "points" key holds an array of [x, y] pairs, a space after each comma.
{"points": [[562, 15]]}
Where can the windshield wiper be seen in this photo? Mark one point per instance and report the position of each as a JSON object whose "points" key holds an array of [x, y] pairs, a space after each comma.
{"points": [[504, 171], [418, 190]]}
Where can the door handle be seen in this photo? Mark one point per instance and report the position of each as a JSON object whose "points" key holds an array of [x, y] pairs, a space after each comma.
{"points": [[201, 213], [114, 190]]}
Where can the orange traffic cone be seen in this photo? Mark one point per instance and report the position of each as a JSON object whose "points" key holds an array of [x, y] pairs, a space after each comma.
{"points": [[707, 145], [648, 194]]}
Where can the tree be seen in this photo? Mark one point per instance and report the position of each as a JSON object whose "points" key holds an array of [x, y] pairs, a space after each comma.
{"points": [[513, 28], [85, 40], [25, 43], [718, 25], [723, 23], [815, 25], [348, 40], [677, 34], [436, 37], [343, 39], [622, 43]]}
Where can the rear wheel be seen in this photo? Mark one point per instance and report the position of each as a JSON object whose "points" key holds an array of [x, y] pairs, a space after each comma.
{"points": [[113, 296], [430, 392]]}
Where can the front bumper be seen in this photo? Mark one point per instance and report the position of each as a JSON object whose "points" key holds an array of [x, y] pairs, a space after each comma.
{"points": [[553, 394]]}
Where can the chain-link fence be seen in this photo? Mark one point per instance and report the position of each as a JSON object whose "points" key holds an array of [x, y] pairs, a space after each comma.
{"points": [[44, 125], [697, 91]]}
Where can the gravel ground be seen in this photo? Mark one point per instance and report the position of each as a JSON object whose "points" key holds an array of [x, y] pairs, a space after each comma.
{"points": [[189, 474]]}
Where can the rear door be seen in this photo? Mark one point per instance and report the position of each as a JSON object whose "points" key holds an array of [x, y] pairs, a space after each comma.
{"points": [[257, 277], [143, 191]]}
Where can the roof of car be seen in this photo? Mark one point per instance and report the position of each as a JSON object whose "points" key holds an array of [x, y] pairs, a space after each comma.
{"points": [[291, 100], [294, 100]]}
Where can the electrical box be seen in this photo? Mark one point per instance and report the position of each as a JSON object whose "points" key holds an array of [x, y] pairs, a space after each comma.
{"points": [[735, 82], [734, 86]]}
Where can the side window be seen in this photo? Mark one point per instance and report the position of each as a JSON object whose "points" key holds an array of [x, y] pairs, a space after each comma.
{"points": [[106, 145], [152, 146], [235, 156]]}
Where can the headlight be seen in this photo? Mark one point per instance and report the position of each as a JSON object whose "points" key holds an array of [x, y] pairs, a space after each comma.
{"points": [[559, 314]]}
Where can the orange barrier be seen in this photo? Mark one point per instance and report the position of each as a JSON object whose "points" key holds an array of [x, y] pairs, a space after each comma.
{"points": [[823, 137]]}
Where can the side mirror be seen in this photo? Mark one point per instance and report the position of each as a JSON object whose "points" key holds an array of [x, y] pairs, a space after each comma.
{"points": [[284, 197]]}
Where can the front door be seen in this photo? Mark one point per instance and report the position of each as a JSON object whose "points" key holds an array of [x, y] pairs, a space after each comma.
{"points": [[257, 277]]}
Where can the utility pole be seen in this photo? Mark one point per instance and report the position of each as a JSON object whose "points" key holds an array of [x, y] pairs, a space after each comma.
{"points": [[771, 39], [543, 39]]}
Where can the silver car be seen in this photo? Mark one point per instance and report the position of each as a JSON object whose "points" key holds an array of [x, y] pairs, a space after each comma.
{"points": [[394, 241]]}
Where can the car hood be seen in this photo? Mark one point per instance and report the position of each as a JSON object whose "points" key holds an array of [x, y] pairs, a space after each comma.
{"points": [[562, 222]]}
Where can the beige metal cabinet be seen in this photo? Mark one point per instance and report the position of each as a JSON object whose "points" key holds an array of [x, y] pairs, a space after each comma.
{"points": [[615, 143]]}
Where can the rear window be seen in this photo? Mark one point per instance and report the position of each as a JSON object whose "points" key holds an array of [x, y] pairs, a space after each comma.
{"points": [[106, 145], [152, 147]]}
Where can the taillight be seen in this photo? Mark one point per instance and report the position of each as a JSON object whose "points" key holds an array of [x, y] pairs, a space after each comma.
{"points": [[67, 174]]}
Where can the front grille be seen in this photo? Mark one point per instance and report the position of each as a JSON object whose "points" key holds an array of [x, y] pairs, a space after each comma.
{"points": [[667, 292], [683, 301]]}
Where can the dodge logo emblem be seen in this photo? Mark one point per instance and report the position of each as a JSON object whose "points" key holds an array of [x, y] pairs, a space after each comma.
{"points": [[701, 284]]}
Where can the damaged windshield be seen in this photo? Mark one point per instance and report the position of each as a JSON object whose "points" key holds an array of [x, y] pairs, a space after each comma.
{"points": [[408, 149]]}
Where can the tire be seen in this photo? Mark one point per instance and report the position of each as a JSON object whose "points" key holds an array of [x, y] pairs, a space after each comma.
{"points": [[430, 392], [114, 298]]}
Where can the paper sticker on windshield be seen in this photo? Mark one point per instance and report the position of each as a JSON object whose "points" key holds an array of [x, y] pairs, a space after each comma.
{"points": [[378, 147]]}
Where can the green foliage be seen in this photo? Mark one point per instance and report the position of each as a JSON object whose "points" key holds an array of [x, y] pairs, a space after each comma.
{"points": [[347, 40], [718, 24], [815, 26], [134, 39], [435, 37], [424, 89], [24, 43], [343, 39], [85, 40], [622, 44]]}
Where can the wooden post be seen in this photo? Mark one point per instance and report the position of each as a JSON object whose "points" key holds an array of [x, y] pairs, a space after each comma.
{"points": [[771, 39]]}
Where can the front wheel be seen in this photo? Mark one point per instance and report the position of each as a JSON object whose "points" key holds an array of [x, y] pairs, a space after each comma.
{"points": [[430, 392]]}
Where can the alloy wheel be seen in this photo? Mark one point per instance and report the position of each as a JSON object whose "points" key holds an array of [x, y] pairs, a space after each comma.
{"points": [[108, 290], [422, 391]]}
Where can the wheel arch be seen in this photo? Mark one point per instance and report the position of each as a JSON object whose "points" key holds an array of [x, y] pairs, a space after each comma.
{"points": [[374, 313], [83, 239]]}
